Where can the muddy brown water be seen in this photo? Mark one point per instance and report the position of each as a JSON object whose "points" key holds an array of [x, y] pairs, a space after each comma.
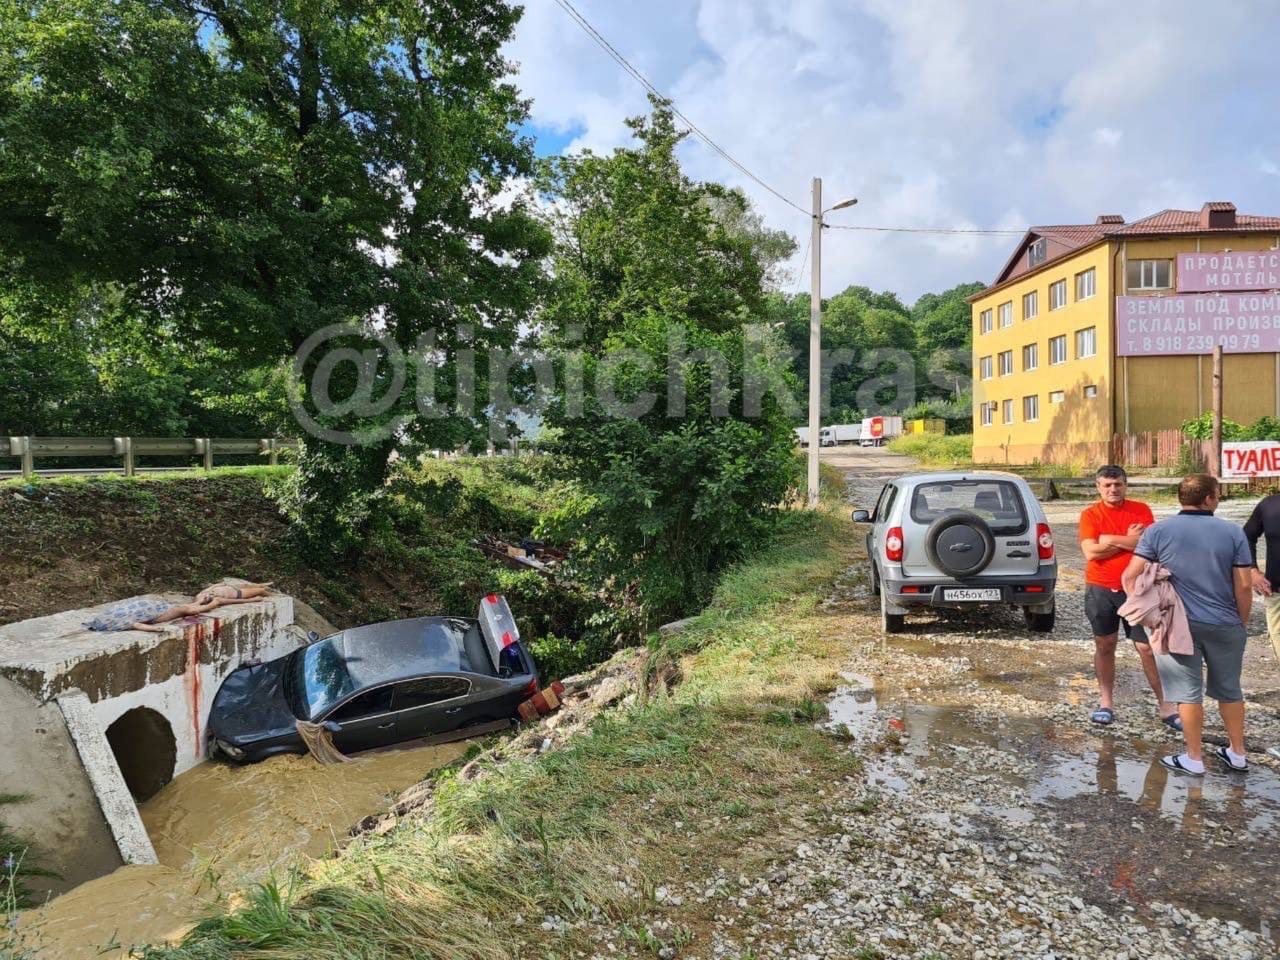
{"points": [[1130, 833], [216, 828]]}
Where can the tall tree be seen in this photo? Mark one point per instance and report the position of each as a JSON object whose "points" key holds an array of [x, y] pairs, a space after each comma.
{"points": [[251, 171], [670, 467]]}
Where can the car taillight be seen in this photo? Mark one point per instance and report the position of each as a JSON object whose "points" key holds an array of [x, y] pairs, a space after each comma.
{"points": [[1044, 540], [893, 544]]}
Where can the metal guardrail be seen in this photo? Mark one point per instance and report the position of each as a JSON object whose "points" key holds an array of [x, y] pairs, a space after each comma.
{"points": [[27, 449]]}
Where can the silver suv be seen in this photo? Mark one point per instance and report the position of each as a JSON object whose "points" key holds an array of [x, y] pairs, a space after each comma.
{"points": [[960, 540]]}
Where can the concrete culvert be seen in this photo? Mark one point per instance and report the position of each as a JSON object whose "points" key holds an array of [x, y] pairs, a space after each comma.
{"points": [[145, 749]]}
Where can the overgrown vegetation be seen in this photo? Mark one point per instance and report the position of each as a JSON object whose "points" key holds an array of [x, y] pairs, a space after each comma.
{"points": [[676, 778], [1201, 428], [77, 541], [670, 465]]}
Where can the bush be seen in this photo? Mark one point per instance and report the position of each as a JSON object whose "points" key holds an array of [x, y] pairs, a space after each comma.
{"points": [[935, 449], [1201, 428]]}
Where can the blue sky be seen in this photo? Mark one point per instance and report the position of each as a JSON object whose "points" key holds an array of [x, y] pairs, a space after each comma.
{"points": [[993, 114]]}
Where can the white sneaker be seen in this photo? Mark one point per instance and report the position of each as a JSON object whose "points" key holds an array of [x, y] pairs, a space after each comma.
{"points": [[1274, 751]]}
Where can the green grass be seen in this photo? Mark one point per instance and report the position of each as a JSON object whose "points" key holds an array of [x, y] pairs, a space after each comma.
{"points": [[112, 480], [589, 827], [935, 449], [955, 452]]}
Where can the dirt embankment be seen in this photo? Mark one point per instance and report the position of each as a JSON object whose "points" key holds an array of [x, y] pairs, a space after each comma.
{"points": [[68, 545]]}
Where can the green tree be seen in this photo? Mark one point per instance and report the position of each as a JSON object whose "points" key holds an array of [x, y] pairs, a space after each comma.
{"points": [[944, 335], [248, 172], [659, 499]]}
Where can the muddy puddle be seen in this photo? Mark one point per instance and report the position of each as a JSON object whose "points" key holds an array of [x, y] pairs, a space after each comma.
{"points": [[1129, 832], [216, 828]]}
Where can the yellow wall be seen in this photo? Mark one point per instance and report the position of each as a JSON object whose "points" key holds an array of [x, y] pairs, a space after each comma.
{"points": [[1134, 394], [1076, 421]]}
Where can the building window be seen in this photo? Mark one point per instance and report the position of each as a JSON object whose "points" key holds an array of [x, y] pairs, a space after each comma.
{"points": [[1006, 363], [984, 368], [1031, 356], [1086, 342], [1008, 411], [1031, 408], [1086, 284], [1058, 294], [1006, 314], [1057, 396], [1058, 349], [1090, 391], [988, 411], [984, 321], [1150, 274], [1037, 252], [1030, 304]]}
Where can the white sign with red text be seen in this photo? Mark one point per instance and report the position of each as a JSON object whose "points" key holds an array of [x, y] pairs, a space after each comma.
{"points": [[1251, 458]]}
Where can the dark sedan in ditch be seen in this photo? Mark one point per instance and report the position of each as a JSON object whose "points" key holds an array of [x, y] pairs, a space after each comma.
{"points": [[377, 685]]}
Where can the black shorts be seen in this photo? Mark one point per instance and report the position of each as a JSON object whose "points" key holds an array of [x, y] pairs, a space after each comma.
{"points": [[1102, 608]]}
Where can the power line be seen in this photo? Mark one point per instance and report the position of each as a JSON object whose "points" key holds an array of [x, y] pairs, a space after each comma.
{"points": [[622, 61], [577, 17], [939, 230]]}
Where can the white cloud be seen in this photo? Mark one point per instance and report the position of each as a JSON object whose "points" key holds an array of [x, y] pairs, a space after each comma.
{"points": [[932, 113]]}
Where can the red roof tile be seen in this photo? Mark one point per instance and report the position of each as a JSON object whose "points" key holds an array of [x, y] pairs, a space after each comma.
{"points": [[1188, 221], [1066, 238]]}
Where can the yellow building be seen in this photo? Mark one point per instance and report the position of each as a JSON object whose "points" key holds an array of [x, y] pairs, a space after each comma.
{"points": [[1068, 351]]}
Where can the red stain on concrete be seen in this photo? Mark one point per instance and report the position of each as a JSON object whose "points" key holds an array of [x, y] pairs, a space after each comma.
{"points": [[195, 631]]}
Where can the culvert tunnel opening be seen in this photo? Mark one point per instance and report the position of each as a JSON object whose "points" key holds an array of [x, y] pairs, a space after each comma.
{"points": [[146, 750]]}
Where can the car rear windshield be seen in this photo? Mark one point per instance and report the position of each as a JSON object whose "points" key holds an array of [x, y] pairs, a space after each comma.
{"points": [[996, 501]]}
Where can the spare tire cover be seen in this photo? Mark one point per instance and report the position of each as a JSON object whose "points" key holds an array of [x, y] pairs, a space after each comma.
{"points": [[960, 544]]}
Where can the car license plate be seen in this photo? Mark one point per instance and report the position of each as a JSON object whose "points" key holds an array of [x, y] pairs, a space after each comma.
{"points": [[972, 593]]}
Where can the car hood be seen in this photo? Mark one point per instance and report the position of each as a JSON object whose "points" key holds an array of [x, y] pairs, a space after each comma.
{"points": [[251, 705]]}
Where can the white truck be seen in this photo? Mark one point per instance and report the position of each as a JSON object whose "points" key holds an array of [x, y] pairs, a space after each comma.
{"points": [[841, 433], [877, 431], [802, 436]]}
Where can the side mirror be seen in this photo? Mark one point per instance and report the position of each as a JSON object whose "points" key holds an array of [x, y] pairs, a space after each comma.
{"points": [[332, 726], [861, 516], [312, 636]]}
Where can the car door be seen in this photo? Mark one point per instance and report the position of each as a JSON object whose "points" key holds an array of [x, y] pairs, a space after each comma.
{"points": [[879, 522], [996, 500], [366, 720], [430, 705]]}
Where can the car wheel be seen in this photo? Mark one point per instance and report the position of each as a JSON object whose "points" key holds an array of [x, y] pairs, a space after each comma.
{"points": [[890, 622], [1040, 622], [875, 580]]}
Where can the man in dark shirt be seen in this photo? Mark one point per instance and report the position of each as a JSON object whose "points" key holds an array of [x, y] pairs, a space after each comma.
{"points": [[1265, 522]]}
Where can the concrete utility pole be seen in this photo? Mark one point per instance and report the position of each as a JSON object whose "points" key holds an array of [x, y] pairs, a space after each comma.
{"points": [[815, 345], [815, 338], [1216, 466]]}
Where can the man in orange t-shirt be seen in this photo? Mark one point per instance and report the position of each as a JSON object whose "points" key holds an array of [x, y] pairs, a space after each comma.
{"points": [[1109, 530]]}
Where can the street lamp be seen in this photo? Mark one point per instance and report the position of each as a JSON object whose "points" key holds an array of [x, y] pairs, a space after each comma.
{"points": [[815, 336]]}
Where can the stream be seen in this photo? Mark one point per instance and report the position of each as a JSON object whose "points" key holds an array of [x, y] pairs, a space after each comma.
{"points": [[216, 828]]}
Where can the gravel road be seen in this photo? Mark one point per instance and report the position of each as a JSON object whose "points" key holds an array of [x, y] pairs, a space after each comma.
{"points": [[994, 821]]}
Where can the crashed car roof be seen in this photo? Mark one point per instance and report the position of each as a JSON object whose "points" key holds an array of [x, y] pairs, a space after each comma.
{"points": [[384, 652]]}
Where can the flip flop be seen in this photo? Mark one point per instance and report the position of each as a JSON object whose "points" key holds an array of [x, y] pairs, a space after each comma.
{"points": [[1173, 722], [1174, 763], [1221, 754], [1103, 716]]}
